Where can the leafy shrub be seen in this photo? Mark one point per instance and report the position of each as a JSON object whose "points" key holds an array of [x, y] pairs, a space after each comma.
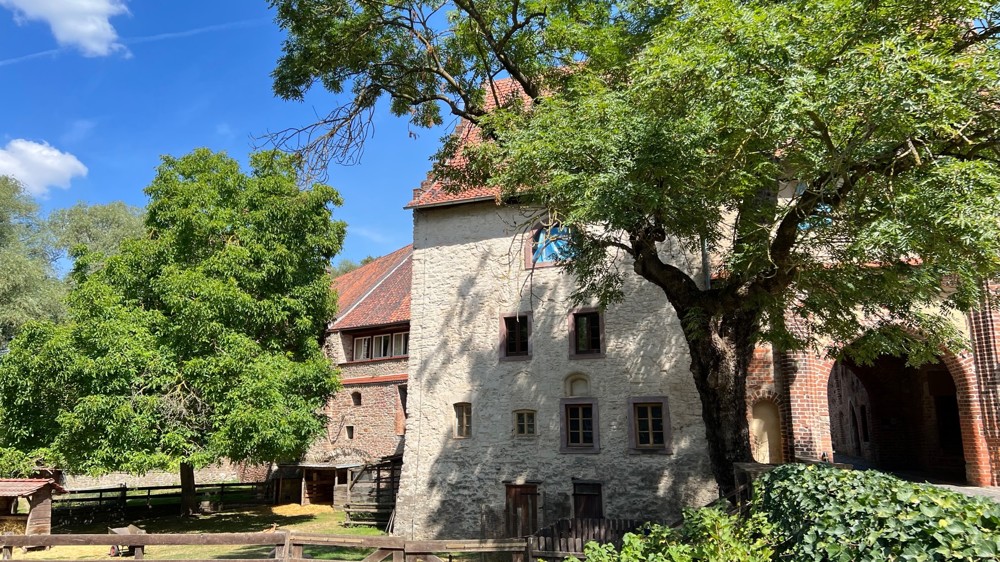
{"points": [[823, 513], [707, 535]]}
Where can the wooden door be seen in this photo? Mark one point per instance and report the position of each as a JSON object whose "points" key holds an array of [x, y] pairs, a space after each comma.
{"points": [[522, 510]]}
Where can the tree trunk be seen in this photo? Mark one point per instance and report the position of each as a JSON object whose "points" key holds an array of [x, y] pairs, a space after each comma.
{"points": [[721, 351], [189, 499]]}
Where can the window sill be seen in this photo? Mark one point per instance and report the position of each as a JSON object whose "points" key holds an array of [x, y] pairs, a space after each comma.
{"points": [[650, 451], [587, 355], [515, 357], [379, 360], [579, 450]]}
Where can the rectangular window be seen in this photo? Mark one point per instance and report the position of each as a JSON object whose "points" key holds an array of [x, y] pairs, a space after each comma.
{"points": [[382, 346], [579, 426], [515, 331], [350, 432], [362, 348], [524, 422], [463, 420], [588, 501], [586, 334], [649, 425], [401, 344]]}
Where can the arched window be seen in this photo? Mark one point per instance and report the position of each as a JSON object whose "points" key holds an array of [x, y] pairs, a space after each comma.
{"points": [[356, 398], [577, 384], [550, 244]]}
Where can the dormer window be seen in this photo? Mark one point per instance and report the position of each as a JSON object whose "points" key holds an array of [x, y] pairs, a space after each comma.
{"points": [[381, 346]]}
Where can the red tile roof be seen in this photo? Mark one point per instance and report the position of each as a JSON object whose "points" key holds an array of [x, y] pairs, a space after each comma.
{"points": [[19, 487], [432, 192], [375, 294]]}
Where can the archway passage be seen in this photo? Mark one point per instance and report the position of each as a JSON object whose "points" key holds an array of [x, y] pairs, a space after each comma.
{"points": [[897, 418]]}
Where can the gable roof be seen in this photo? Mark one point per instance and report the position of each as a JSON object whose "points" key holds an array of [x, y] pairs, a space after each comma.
{"points": [[432, 192], [375, 294]]}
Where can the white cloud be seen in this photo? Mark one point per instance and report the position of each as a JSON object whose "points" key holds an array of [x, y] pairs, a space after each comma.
{"points": [[39, 166], [81, 23]]}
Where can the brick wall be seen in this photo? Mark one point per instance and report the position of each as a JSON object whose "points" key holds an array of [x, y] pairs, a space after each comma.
{"points": [[376, 424]]}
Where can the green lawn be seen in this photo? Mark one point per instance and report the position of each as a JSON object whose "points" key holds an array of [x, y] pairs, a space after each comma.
{"points": [[308, 519]]}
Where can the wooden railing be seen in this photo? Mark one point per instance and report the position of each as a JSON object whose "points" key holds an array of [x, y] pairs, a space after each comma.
{"points": [[288, 546]]}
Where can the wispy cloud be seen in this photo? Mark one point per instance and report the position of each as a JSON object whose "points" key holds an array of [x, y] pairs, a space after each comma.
{"points": [[145, 38], [373, 235], [38, 55], [78, 130], [191, 32]]}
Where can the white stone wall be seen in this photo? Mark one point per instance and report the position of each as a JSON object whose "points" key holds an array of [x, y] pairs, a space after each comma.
{"points": [[468, 270]]}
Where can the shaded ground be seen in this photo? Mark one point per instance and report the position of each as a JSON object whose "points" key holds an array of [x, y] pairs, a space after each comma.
{"points": [[305, 519]]}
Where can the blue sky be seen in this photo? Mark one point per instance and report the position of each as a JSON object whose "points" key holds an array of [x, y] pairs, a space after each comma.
{"points": [[92, 92]]}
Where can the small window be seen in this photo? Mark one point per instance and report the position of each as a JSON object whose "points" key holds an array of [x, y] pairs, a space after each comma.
{"points": [[356, 398], [550, 244], [463, 420], [350, 432], [579, 426], [586, 334], [514, 336], [382, 346], [649, 425], [362, 348], [401, 344], [524, 423]]}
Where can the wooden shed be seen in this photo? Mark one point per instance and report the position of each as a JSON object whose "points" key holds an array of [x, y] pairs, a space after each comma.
{"points": [[38, 491]]}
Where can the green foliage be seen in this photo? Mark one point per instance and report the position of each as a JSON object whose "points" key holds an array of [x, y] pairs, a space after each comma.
{"points": [[823, 513], [707, 535], [97, 229], [29, 289], [197, 342], [345, 266]]}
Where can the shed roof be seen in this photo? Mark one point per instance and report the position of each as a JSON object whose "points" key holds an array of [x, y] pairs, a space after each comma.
{"points": [[19, 487]]}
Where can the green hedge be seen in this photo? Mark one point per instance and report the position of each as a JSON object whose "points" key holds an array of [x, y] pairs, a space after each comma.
{"points": [[823, 513]]}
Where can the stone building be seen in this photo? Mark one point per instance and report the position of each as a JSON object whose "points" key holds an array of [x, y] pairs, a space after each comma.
{"points": [[525, 408], [369, 341]]}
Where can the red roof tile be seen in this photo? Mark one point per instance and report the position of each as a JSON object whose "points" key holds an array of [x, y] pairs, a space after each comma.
{"points": [[375, 294], [432, 192], [19, 487]]}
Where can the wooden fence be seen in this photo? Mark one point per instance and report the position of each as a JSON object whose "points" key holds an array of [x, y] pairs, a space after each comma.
{"points": [[568, 536], [124, 502], [288, 546]]}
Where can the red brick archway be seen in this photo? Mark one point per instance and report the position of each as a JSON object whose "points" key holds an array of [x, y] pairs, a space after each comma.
{"points": [[806, 378]]}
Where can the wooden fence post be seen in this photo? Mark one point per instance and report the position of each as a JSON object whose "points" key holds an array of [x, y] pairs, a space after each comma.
{"points": [[8, 551]]}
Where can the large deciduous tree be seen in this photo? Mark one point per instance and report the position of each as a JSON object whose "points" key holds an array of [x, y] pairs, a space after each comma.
{"points": [[95, 229], [836, 159], [196, 343], [29, 289]]}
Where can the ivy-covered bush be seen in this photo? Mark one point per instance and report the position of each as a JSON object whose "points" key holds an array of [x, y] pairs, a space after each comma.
{"points": [[707, 535], [824, 513]]}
